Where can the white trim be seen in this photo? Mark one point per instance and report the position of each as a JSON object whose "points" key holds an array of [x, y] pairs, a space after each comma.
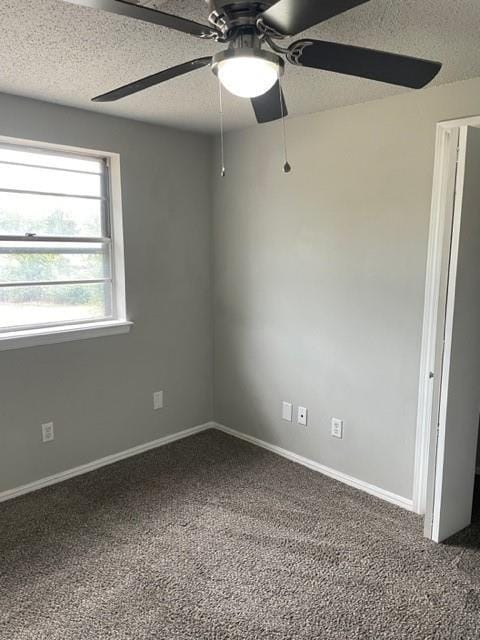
{"points": [[66, 333], [116, 231], [400, 501], [34, 145], [449, 318], [426, 481], [102, 462], [435, 298], [468, 121], [113, 198], [447, 138], [116, 457]]}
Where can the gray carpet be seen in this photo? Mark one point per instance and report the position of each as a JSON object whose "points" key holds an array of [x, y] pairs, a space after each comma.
{"points": [[211, 538]]}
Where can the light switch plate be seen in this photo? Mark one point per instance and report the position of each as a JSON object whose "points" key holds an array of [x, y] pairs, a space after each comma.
{"points": [[287, 411], [158, 400], [337, 428]]}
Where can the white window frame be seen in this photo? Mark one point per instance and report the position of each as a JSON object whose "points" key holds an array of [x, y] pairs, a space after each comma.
{"points": [[79, 330]]}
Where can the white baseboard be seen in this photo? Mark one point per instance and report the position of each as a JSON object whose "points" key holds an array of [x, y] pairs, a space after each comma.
{"points": [[102, 462], [116, 457], [405, 503]]}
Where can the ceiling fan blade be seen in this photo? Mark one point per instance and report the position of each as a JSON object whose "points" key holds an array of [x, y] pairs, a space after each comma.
{"points": [[125, 8], [364, 63], [151, 81], [267, 107], [289, 17]]}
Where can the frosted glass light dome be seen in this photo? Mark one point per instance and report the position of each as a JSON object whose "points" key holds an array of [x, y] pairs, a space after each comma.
{"points": [[247, 73], [247, 77]]}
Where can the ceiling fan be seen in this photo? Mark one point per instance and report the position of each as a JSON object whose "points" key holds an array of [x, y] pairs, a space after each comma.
{"points": [[247, 68]]}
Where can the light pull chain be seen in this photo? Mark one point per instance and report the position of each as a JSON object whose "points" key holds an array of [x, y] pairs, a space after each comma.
{"points": [[286, 166], [222, 141]]}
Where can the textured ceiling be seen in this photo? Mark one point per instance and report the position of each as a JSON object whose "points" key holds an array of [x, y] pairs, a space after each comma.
{"points": [[55, 51]]}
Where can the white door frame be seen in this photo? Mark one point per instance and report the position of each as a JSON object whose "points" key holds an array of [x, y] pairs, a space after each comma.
{"points": [[448, 138]]}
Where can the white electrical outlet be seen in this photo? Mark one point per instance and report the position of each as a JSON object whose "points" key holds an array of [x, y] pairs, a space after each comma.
{"points": [[158, 400], [337, 428], [302, 415], [48, 434], [287, 411]]}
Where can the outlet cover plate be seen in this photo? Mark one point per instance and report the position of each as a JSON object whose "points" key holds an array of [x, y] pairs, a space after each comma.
{"points": [[48, 433], [302, 416]]}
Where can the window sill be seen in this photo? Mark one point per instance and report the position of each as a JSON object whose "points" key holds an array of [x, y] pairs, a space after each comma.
{"points": [[67, 333]]}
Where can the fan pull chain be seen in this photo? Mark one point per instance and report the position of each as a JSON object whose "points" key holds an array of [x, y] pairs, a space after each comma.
{"points": [[286, 166], [222, 141]]}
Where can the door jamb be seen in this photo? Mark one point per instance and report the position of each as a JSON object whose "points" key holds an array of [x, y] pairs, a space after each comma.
{"points": [[434, 529], [441, 218]]}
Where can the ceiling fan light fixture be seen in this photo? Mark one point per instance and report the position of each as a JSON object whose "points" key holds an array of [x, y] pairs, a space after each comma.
{"points": [[247, 73]]}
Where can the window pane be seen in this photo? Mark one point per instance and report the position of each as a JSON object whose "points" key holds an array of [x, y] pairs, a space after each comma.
{"points": [[74, 163], [49, 262], [49, 180], [21, 306], [49, 215]]}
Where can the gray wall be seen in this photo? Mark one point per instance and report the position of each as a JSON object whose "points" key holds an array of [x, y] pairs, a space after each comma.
{"points": [[319, 279], [99, 392], [319, 284]]}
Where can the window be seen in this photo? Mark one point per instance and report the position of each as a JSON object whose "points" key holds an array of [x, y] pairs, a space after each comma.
{"points": [[60, 267]]}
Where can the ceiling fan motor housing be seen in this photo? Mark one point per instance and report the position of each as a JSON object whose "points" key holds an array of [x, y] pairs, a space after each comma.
{"points": [[233, 16]]}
